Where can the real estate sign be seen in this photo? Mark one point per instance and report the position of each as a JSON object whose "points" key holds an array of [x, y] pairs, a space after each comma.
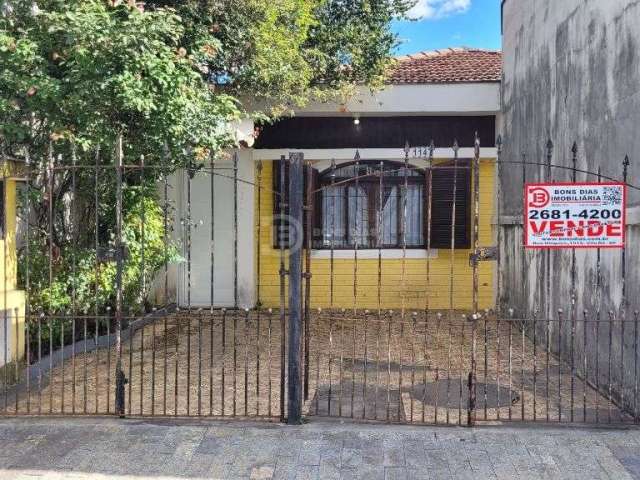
{"points": [[574, 215]]}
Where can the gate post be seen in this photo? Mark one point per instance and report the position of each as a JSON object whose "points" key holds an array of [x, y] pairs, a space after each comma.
{"points": [[294, 379]]}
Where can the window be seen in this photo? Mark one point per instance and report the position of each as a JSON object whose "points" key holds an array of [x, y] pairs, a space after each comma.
{"points": [[369, 212]]}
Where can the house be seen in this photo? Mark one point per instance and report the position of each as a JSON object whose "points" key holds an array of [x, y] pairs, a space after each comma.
{"points": [[438, 96], [12, 300]]}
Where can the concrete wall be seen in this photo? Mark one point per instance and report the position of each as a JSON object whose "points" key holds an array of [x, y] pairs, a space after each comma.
{"points": [[572, 73]]}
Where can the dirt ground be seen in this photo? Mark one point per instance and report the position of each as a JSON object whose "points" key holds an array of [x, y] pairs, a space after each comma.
{"points": [[394, 367]]}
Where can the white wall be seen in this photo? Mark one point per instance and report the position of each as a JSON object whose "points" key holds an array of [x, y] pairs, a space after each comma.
{"points": [[224, 260]]}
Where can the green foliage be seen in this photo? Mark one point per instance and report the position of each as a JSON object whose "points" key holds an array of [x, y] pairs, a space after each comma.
{"points": [[83, 284], [86, 71]]}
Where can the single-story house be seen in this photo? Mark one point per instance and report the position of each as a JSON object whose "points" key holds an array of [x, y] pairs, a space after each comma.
{"points": [[438, 96]]}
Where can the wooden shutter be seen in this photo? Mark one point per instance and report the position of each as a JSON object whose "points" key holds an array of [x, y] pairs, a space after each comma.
{"points": [[442, 206], [283, 196]]}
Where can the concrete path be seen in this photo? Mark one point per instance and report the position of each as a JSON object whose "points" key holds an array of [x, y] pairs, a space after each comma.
{"points": [[95, 448]]}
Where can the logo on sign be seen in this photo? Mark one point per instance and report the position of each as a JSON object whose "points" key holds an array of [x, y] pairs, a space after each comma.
{"points": [[538, 198]]}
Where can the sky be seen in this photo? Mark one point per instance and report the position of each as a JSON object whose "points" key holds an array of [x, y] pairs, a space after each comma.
{"points": [[450, 23]]}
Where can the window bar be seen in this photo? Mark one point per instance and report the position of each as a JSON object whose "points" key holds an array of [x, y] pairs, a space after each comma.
{"points": [[283, 273], [453, 228]]}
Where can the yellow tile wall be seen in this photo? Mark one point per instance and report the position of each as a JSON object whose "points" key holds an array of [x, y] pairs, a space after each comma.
{"points": [[413, 291]]}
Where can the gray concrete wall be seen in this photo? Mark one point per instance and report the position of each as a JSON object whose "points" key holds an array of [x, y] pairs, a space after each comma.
{"points": [[572, 73]]}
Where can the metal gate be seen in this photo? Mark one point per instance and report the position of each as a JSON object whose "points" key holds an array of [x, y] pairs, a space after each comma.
{"points": [[100, 329], [443, 364]]}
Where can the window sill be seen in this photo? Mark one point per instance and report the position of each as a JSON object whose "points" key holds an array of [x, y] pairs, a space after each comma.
{"points": [[364, 254]]}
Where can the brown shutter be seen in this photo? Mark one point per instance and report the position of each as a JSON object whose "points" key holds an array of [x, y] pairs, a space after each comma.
{"points": [[280, 195], [442, 203]]}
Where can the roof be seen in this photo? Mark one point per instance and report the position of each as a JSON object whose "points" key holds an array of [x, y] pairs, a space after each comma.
{"points": [[451, 65]]}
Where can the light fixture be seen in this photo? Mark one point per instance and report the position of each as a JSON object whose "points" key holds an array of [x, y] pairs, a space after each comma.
{"points": [[356, 120]]}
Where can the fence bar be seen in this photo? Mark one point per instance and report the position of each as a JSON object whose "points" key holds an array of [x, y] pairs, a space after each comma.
{"points": [[283, 273], [308, 219], [295, 289], [471, 414], [120, 378]]}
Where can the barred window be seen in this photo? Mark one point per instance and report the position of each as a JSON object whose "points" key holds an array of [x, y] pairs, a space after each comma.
{"points": [[370, 213]]}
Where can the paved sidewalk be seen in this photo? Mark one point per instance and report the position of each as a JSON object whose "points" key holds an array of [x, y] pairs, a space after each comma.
{"points": [[94, 448]]}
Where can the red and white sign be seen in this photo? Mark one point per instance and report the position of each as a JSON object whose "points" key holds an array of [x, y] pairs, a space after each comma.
{"points": [[574, 215]]}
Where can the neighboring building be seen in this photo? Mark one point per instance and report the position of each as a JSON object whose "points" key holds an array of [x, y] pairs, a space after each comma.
{"points": [[12, 300], [571, 73], [439, 96]]}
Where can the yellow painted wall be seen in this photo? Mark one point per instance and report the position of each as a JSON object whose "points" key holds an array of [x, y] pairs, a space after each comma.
{"points": [[411, 291], [10, 298]]}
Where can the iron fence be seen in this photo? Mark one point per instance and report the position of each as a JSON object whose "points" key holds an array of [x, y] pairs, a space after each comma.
{"points": [[105, 333]]}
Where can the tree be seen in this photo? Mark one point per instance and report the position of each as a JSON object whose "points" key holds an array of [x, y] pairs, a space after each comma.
{"points": [[170, 77]]}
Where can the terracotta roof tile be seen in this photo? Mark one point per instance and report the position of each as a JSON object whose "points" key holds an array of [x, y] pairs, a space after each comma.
{"points": [[452, 65]]}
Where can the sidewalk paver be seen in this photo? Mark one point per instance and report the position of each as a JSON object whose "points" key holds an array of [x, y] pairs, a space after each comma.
{"points": [[101, 448]]}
